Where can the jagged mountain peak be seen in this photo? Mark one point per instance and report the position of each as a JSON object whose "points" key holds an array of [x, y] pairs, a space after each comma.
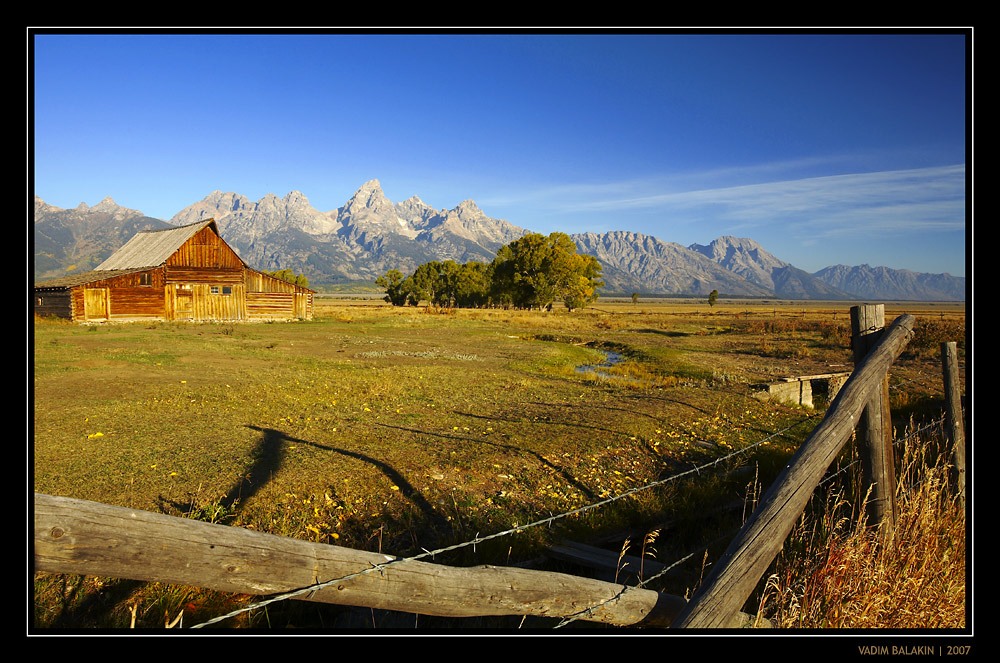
{"points": [[737, 250], [106, 203], [635, 262], [370, 190], [468, 206], [106, 206], [370, 234], [415, 200], [747, 258], [70, 241], [369, 198]]}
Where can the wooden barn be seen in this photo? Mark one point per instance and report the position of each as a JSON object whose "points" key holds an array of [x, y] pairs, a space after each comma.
{"points": [[183, 273]]}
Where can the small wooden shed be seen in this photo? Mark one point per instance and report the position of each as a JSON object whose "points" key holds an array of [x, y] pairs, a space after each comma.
{"points": [[182, 273]]}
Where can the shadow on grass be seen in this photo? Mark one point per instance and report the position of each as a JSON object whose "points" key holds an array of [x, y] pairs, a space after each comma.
{"points": [[269, 456], [507, 447]]}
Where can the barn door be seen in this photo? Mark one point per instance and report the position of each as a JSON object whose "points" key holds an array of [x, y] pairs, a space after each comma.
{"points": [[95, 303], [183, 308]]}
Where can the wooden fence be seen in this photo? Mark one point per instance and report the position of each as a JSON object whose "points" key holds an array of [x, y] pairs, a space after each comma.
{"points": [[734, 577], [79, 537]]}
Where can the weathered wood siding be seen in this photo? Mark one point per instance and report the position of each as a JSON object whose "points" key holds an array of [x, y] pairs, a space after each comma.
{"points": [[272, 298], [138, 302], [95, 303], [270, 304], [54, 302], [304, 305], [177, 302], [216, 302], [203, 280], [138, 295], [206, 249]]}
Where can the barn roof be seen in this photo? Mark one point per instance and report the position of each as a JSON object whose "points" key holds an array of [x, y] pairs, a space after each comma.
{"points": [[151, 248]]}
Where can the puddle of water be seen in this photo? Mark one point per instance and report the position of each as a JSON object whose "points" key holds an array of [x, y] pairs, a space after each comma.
{"points": [[610, 359]]}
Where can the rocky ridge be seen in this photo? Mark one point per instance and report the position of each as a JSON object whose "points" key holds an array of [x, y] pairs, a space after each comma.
{"points": [[69, 241], [747, 258], [370, 234]]}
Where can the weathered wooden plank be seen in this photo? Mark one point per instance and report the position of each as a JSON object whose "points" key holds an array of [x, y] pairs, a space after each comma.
{"points": [[76, 536], [874, 430], [196, 274], [136, 301], [205, 249], [954, 418], [718, 600], [819, 376], [626, 565], [95, 303]]}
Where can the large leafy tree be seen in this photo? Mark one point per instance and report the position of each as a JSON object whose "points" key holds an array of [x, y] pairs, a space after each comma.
{"points": [[398, 290], [579, 287], [536, 270], [433, 281], [531, 272], [471, 284]]}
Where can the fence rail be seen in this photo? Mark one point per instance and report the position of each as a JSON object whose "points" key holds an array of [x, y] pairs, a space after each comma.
{"points": [[77, 536], [80, 537], [733, 578]]}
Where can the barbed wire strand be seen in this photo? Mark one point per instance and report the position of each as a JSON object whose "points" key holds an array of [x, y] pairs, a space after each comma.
{"points": [[642, 583], [312, 589]]}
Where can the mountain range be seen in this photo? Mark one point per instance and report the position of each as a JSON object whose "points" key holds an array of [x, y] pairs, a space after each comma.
{"points": [[371, 234]]}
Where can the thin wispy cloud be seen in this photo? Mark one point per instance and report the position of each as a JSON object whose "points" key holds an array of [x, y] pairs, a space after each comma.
{"points": [[925, 198]]}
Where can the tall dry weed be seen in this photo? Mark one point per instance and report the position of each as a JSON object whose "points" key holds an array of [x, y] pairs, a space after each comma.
{"points": [[836, 572]]}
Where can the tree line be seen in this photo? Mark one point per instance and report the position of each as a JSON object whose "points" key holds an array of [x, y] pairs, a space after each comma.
{"points": [[531, 272], [290, 276]]}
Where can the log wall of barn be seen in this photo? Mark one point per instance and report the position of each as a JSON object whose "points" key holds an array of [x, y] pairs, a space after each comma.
{"points": [[271, 298], [134, 296], [54, 302]]}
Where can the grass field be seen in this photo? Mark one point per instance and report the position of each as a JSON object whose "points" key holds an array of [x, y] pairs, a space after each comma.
{"points": [[401, 429]]}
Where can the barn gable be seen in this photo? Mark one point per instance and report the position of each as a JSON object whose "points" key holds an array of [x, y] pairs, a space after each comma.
{"points": [[155, 247], [183, 273]]}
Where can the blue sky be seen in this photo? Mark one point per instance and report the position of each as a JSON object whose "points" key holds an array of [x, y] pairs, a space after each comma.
{"points": [[826, 149]]}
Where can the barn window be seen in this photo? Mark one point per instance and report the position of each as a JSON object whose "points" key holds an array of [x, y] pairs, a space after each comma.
{"points": [[227, 290], [145, 278], [215, 289]]}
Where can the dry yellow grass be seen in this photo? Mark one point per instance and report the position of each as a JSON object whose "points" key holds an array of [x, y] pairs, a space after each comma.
{"points": [[837, 573]]}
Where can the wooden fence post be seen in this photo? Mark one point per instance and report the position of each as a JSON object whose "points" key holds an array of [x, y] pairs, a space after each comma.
{"points": [[954, 418], [874, 431], [732, 579]]}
